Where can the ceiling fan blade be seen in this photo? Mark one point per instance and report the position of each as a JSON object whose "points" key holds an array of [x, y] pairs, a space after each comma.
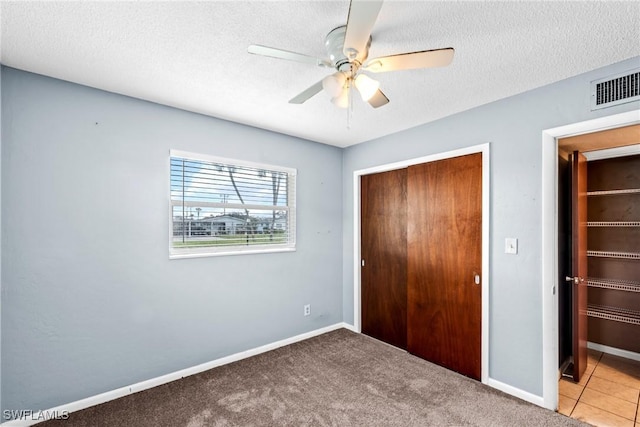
{"points": [[378, 99], [306, 94], [362, 17], [273, 52], [409, 61]]}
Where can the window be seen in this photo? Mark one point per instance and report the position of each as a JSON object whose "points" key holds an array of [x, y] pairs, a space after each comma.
{"points": [[222, 206]]}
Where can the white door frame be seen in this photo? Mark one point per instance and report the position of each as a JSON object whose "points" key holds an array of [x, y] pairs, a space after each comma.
{"points": [[481, 148], [550, 363]]}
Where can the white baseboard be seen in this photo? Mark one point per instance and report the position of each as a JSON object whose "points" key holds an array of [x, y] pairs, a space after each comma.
{"points": [[349, 327], [41, 416], [614, 351], [514, 391]]}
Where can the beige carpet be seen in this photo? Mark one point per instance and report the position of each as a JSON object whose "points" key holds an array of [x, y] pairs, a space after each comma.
{"points": [[337, 379]]}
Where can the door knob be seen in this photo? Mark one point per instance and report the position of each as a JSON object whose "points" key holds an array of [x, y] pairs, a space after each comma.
{"points": [[476, 279]]}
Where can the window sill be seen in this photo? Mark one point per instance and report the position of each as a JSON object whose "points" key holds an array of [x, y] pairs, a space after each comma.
{"points": [[227, 253]]}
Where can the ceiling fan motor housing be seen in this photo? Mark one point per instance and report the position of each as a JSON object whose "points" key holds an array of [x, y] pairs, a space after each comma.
{"points": [[334, 43]]}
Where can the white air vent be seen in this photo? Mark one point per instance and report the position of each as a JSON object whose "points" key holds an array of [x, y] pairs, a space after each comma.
{"points": [[614, 90]]}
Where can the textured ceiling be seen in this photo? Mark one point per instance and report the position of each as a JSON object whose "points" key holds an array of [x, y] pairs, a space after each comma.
{"points": [[193, 55]]}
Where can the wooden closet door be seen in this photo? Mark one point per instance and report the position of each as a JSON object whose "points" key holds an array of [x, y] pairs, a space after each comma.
{"points": [[384, 252], [579, 263], [444, 255]]}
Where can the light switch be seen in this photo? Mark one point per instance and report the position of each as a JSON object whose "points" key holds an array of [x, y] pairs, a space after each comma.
{"points": [[511, 245]]}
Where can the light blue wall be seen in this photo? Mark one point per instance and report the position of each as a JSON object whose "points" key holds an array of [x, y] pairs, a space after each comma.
{"points": [[514, 128], [91, 301]]}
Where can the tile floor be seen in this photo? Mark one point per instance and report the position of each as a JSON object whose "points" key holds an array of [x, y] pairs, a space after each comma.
{"points": [[607, 395]]}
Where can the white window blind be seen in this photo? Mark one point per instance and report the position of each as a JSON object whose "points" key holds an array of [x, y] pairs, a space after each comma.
{"points": [[223, 206]]}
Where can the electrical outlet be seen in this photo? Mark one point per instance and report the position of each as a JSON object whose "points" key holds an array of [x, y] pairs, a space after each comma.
{"points": [[307, 309]]}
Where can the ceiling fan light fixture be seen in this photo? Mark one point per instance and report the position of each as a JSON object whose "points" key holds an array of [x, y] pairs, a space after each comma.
{"points": [[334, 84], [342, 100], [366, 86]]}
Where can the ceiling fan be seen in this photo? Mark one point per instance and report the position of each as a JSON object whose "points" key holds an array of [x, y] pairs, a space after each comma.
{"points": [[348, 49]]}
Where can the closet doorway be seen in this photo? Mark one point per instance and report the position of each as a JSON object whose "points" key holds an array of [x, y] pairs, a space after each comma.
{"points": [[594, 386], [551, 279], [610, 229], [422, 234]]}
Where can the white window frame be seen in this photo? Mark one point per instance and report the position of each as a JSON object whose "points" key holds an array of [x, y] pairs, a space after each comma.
{"points": [[197, 252]]}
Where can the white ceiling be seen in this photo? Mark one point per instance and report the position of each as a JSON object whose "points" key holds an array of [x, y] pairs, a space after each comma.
{"points": [[193, 55]]}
